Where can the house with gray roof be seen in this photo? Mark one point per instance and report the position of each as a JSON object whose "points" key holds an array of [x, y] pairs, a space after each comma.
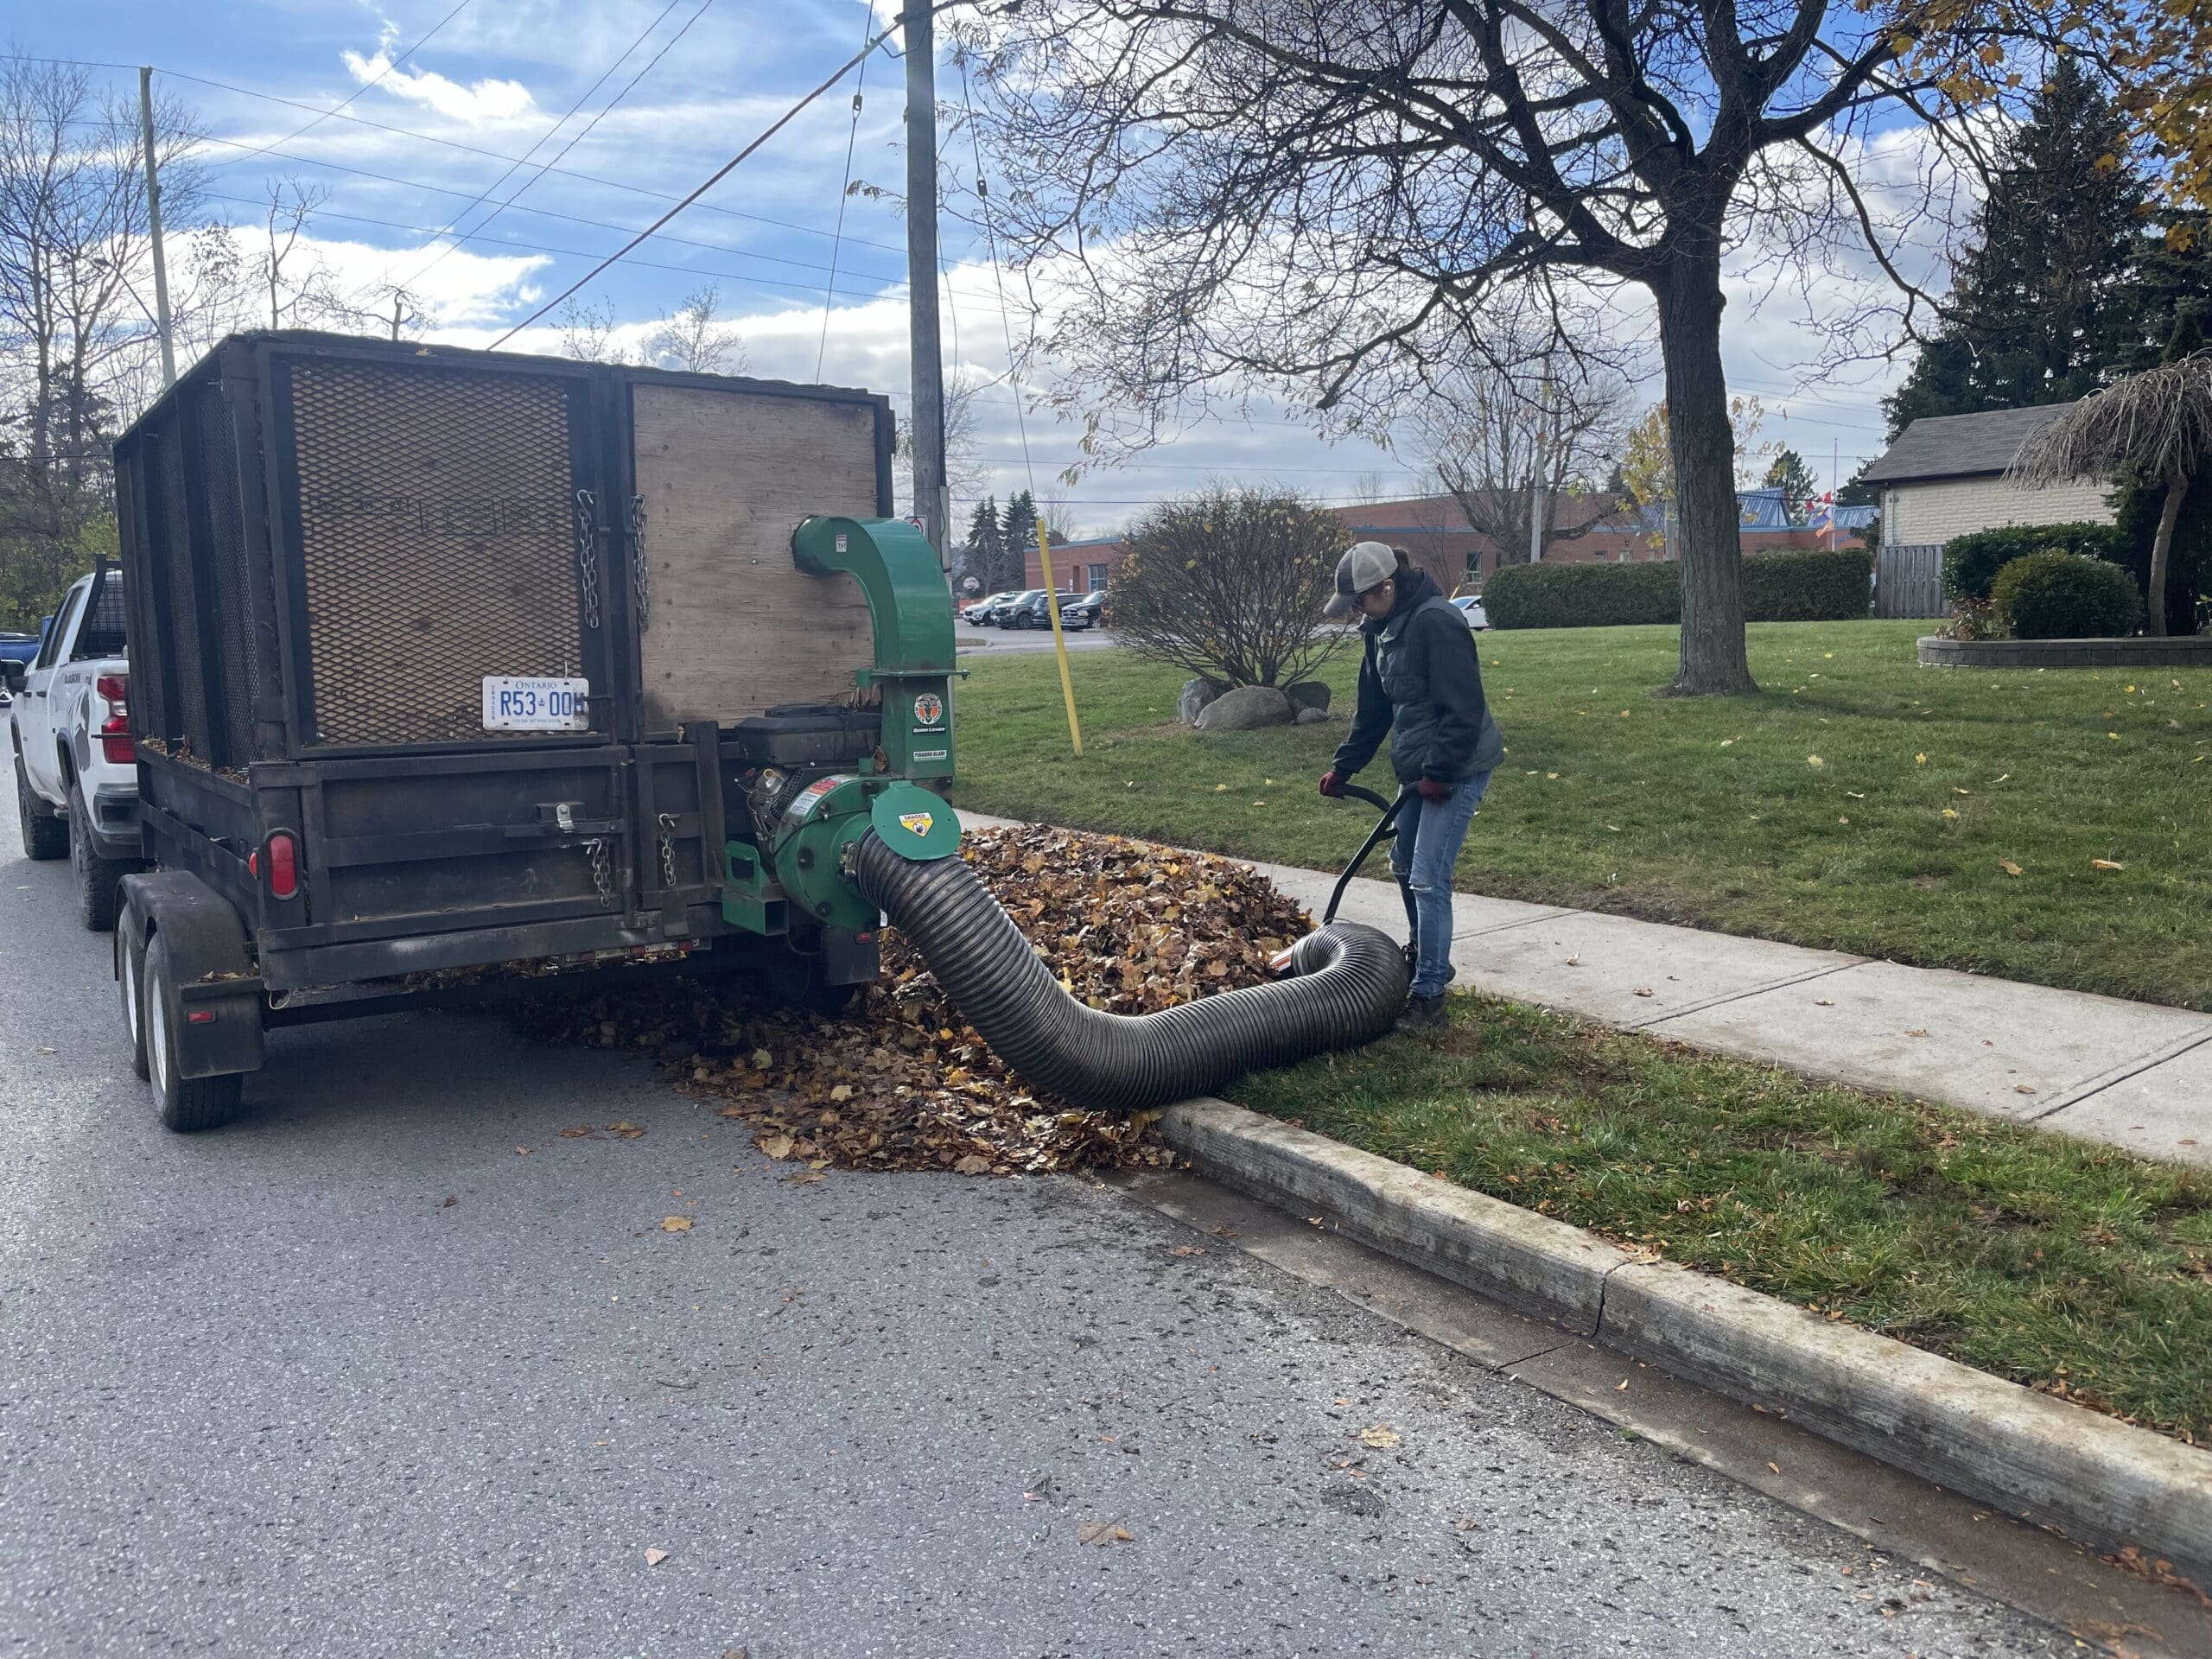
{"points": [[1945, 477]]}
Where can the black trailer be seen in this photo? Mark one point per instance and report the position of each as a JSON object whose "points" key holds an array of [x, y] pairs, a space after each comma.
{"points": [[443, 658]]}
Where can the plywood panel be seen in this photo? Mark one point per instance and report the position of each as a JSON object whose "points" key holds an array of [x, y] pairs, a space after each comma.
{"points": [[734, 625]]}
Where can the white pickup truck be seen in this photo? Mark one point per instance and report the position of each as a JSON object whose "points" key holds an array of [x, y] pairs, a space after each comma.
{"points": [[69, 726]]}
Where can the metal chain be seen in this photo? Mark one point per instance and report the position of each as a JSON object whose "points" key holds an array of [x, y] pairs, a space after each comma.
{"points": [[637, 561], [602, 874], [668, 850], [586, 523]]}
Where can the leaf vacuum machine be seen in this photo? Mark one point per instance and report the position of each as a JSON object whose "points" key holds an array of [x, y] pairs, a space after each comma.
{"points": [[453, 672]]}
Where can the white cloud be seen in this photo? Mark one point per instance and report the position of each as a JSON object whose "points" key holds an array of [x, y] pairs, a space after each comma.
{"points": [[475, 105]]}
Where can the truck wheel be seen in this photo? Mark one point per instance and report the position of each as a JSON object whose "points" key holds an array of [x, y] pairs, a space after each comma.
{"points": [[44, 835], [185, 1104], [131, 978], [96, 876]]}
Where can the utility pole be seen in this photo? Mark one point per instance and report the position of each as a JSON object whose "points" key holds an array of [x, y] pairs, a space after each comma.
{"points": [[154, 226], [926, 439]]}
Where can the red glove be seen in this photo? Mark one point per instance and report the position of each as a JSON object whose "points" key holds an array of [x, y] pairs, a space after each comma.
{"points": [[1332, 786], [1432, 791]]}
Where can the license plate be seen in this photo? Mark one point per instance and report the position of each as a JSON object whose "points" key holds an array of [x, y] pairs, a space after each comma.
{"points": [[513, 703]]}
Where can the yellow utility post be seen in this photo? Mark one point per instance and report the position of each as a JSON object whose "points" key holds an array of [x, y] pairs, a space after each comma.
{"points": [[1060, 639]]}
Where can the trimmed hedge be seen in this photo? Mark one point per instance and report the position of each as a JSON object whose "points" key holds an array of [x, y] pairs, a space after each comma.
{"points": [[1971, 561], [2055, 594], [1797, 585]]}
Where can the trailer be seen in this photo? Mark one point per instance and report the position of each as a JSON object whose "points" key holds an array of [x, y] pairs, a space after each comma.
{"points": [[454, 669]]}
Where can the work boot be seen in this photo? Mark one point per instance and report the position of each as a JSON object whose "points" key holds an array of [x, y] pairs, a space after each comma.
{"points": [[1423, 1013]]}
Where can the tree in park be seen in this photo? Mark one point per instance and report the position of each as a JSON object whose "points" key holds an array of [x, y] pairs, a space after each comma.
{"points": [[2043, 305], [2153, 429], [983, 555], [1017, 537], [1229, 584], [1788, 473], [1315, 200]]}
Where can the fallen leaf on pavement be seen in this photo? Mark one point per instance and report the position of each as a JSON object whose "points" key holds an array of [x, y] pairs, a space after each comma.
{"points": [[1381, 1437], [575, 1132], [655, 1557], [2023, 1088], [777, 1147], [1645, 990], [626, 1129], [449, 1201], [1186, 1249], [1103, 1532], [1776, 1467], [676, 1224], [1823, 1002]]}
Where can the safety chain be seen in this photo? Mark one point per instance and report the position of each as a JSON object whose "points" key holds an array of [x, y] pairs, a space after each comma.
{"points": [[638, 560], [587, 521], [603, 873], [668, 850]]}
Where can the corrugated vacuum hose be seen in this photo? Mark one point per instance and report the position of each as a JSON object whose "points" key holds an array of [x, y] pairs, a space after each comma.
{"points": [[1349, 988]]}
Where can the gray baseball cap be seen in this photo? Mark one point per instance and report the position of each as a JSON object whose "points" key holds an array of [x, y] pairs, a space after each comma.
{"points": [[1369, 564]]}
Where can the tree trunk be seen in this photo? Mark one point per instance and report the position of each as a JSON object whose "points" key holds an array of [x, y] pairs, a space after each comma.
{"points": [[1704, 451], [2162, 546]]}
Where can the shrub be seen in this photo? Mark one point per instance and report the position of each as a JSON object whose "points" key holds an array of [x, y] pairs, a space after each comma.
{"points": [[2188, 563], [1972, 619], [1795, 585], [1227, 584], [1971, 561], [2055, 594]]}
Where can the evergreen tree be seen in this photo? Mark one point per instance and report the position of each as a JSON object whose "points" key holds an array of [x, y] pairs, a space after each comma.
{"points": [[1789, 474], [2173, 278], [983, 556], [1856, 492], [1018, 534], [2043, 308]]}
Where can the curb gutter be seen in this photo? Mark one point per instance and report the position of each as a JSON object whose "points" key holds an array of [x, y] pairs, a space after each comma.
{"points": [[2048, 1463]]}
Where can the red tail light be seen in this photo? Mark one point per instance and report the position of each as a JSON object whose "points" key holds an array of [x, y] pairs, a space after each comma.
{"points": [[115, 730], [282, 865]]}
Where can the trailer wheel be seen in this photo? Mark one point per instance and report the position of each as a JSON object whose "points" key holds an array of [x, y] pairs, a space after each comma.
{"points": [[44, 835], [131, 974], [185, 1104], [96, 876]]}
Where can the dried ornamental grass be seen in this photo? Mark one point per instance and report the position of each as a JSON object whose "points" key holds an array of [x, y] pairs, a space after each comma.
{"points": [[901, 1082]]}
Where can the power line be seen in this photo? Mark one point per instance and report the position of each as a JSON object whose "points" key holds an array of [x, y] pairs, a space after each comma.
{"points": [[712, 180], [836, 246]]}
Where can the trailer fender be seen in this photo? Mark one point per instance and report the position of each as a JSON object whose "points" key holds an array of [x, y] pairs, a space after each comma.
{"points": [[216, 997]]}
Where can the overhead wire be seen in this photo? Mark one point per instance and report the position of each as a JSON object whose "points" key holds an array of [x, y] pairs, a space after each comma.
{"points": [[712, 180], [844, 190]]}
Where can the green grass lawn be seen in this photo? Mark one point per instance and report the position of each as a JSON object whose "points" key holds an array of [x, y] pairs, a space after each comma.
{"points": [[2072, 1267], [1860, 803]]}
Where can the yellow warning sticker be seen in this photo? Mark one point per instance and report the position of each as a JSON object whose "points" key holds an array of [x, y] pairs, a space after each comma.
{"points": [[918, 823]]}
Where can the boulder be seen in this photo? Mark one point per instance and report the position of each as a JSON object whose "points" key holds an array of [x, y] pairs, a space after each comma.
{"points": [[1308, 693], [1312, 716], [1244, 710], [1197, 694]]}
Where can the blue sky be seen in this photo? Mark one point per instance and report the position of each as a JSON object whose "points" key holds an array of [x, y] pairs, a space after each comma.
{"points": [[493, 81]]}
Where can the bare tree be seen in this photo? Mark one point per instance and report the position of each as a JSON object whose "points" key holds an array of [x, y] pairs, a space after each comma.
{"points": [[1508, 445], [691, 339], [965, 470], [300, 288], [588, 333], [1317, 197]]}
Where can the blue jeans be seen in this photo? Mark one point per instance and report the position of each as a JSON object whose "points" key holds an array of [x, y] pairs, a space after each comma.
{"points": [[1430, 834]]}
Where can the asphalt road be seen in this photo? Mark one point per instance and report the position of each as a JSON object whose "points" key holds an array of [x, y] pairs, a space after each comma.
{"points": [[1014, 639], [362, 1376]]}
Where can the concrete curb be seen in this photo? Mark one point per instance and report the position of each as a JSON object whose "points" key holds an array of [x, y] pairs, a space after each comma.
{"points": [[2100, 1480]]}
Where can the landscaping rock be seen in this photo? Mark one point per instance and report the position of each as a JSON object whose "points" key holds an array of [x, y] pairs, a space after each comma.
{"points": [[1310, 716], [1246, 709], [1197, 694], [1308, 693]]}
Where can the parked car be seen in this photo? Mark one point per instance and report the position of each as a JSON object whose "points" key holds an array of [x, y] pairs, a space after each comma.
{"points": [[977, 611], [1000, 615], [69, 727], [1029, 611], [1471, 608], [1083, 611]]}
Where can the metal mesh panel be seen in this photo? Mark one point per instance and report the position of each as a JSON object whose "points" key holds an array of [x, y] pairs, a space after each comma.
{"points": [[217, 444], [436, 538], [104, 633], [173, 542]]}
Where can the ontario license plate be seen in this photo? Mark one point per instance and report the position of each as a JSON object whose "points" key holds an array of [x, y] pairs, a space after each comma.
{"points": [[519, 704]]}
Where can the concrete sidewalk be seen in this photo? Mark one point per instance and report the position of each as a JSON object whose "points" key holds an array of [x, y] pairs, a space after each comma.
{"points": [[2134, 1074]]}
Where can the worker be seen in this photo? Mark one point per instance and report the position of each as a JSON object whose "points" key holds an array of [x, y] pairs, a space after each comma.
{"points": [[1420, 683]]}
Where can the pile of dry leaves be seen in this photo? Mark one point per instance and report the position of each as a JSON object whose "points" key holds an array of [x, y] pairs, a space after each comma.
{"points": [[901, 1082]]}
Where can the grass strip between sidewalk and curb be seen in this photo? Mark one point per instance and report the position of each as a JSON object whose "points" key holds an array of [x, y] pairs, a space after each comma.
{"points": [[2076, 1269]]}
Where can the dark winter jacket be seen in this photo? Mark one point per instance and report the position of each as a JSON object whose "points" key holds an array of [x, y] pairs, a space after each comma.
{"points": [[1419, 682]]}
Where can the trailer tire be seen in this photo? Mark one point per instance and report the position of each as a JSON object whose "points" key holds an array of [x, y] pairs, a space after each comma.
{"points": [[184, 1104], [96, 877], [45, 837], [131, 975]]}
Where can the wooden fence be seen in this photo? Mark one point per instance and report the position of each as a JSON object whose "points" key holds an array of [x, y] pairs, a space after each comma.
{"points": [[1909, 580]]}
